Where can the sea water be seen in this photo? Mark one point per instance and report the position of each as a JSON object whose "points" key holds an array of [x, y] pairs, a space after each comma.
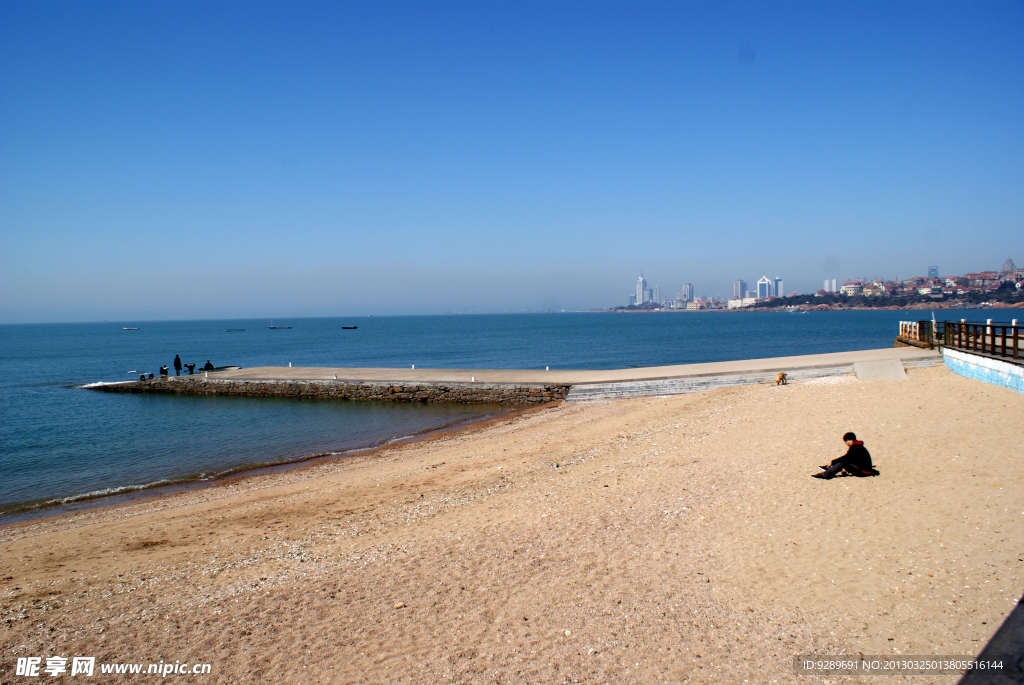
{"points": [[59, 442]]}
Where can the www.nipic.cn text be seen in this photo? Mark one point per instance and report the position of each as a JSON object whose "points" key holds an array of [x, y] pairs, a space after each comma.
{"points": [[35, 666]]}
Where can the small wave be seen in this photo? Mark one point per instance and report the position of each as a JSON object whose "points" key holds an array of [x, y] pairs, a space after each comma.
{"points": [[402, 438], [85, 496], [102, 383]]}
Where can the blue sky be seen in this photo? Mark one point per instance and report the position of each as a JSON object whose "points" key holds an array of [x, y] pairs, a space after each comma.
{"points": [[194, 160]]}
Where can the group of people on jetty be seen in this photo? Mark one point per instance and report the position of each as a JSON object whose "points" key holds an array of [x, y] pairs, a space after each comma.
{"points": [[178, 366]]}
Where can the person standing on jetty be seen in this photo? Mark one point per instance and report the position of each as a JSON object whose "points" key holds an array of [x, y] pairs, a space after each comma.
{"points": [[177, 365], [856, 461]]}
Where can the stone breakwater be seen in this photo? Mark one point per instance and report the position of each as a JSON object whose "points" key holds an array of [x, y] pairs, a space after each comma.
{"points": [[385, 391]]}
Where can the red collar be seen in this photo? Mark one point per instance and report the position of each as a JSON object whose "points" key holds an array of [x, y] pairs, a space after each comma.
{"points": [[858, 442]]}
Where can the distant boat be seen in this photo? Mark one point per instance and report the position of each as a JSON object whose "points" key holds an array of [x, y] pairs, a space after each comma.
{"points": [[278, 328], [130, 329], [234, 330], [349, 328]]}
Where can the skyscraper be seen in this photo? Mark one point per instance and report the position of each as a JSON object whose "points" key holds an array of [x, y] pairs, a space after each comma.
{"points": [[739, 288], [764, 288], [828, 286], [779, 290], [834, 290], [656, 295], [688, 292], [641, 289]]}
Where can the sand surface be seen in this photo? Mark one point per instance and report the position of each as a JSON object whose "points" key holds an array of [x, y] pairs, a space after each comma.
{"points": [[634, 541]]}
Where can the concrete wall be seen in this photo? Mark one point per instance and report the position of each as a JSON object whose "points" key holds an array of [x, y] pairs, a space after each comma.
{"points": [[985, 369], [462, 393]]}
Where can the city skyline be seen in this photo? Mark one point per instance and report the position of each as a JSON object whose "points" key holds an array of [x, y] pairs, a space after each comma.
{"points": [[765, 287], [367, 158]]}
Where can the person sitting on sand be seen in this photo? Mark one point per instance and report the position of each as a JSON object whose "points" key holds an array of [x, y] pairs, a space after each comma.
{"points": [[856, 461]]}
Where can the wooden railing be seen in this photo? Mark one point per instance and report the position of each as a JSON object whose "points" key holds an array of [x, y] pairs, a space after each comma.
{"points": [[916, 330], [992, 339]]}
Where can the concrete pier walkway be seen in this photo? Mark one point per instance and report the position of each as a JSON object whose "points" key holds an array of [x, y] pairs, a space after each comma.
{"points": [[575, 377], [516, 386]]}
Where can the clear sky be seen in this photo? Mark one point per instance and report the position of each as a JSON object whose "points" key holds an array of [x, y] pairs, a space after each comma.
{"points": [[196, 159]]}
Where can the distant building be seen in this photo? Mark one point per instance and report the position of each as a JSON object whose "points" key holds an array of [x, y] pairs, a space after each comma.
{"points": [[656, 295], [933, 272], [738, 302], [779, 290], [764, 288], [833, 286], [688, 292], [739, 289], [851, 289], [632, 300], [1008, 267], [641, 289], [983, 278]]}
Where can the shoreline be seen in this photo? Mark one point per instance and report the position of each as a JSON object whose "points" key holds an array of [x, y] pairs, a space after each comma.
{"points": [[71, 505]]}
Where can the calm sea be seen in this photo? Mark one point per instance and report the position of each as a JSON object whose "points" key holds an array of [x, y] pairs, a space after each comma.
{"points": [[60, 443]]}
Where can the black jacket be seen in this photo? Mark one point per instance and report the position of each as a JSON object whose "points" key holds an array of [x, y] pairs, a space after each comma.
{"points": [[857, 456]]}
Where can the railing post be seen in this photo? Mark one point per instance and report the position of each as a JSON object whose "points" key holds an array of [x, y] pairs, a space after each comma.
{"points": [[1002, 346]]}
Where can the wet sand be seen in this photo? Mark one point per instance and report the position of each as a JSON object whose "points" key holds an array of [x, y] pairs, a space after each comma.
{"points": [[635, 541]]}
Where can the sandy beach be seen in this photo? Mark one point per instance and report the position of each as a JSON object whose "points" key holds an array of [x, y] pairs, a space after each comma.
{"points": [[671, 540]]}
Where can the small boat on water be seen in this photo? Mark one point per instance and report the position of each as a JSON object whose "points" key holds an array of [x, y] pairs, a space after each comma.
{"points": [[130, 329], [278, 328], [234, 330], [349, 328]]}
